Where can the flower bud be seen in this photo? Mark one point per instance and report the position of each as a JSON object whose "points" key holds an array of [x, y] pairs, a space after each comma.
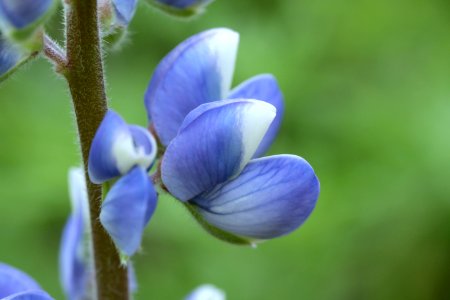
{"points": [[117, 147]]}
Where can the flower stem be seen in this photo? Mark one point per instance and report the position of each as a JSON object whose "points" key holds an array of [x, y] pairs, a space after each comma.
{"points": [[86, 83], [55, 54]]}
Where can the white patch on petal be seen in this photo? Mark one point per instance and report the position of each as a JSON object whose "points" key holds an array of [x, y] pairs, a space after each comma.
{"points": [[127, 155], [225, 44], [256, 120]]}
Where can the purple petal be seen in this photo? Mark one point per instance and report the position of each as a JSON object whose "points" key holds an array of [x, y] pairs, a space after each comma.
{"points": [[263, 87], [14, 281], [117, 147], [21, 13], [206, 292], [197, 71], [74, 272], [214, 144], [127, 209], [29, 295], [124, 10], [271, 197]]}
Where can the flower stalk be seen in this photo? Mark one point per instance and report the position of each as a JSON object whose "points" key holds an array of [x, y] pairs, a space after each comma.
{"points": [[86, 83]]}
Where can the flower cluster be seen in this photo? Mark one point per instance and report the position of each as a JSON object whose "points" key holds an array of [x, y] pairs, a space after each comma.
{"points": [[212, 139], [205, 145]]}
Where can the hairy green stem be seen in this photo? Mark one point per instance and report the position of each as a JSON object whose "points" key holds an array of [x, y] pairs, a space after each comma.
{"points": [[85, 77]]}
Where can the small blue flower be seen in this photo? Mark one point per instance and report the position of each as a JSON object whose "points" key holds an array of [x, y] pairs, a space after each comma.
{"points": [[210, 162], [16, 285], [117, 147], [124, 11], [198, 71], [22, 13], [206, 292]]}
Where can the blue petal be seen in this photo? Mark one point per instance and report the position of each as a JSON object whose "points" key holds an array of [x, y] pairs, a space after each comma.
{"points": [[29, 295], [271, 197], [263, 87], [21, 13], [206, 292], [215, 142], [124, 10], [14, 281], [184, 4], [8, 56], [197, 71], [72, 260], [127, 209], [117, 147]]}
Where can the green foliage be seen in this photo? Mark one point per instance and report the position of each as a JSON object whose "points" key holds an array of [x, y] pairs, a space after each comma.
{"points": [[367, 97]]}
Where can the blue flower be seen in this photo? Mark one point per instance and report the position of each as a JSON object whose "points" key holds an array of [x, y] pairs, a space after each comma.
{"points": [[124, 11], [119, 149], [16, 285], [22, 13], [211, 160]]}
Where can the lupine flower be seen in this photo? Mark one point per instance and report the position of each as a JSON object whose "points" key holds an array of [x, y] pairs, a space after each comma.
{"points": [[210, 143], [181, 7], [119, 149], [22, 13], [8, 56], [206, 292], [75, 251], [124, 11], [16, 285], [198, 71]]}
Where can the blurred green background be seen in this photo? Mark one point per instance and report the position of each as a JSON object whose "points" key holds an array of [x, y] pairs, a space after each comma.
{"points": [[367, 88]]}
